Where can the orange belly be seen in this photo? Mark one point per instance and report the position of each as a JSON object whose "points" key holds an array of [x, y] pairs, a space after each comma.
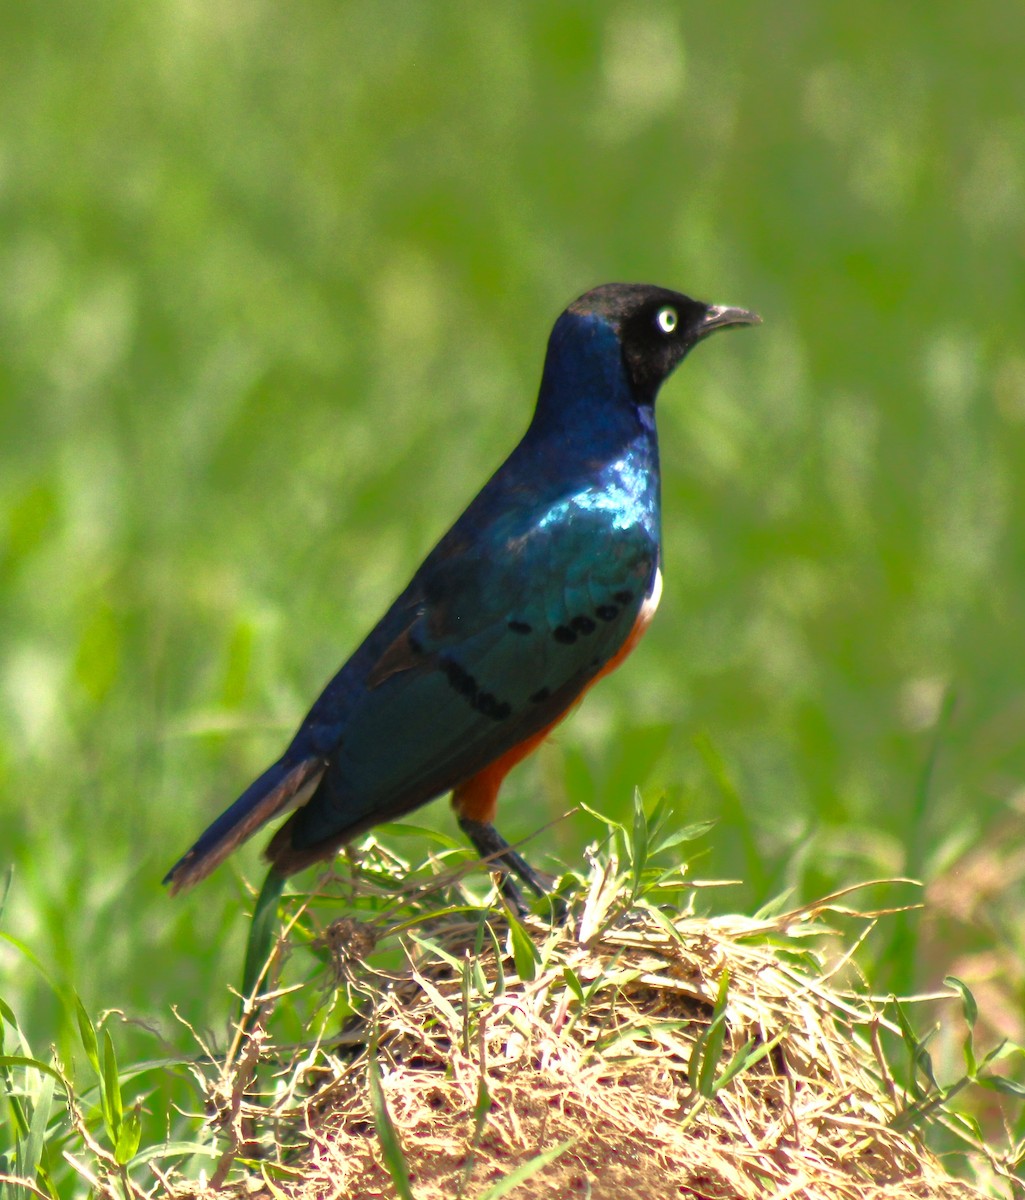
{"points": [[477, 798]]}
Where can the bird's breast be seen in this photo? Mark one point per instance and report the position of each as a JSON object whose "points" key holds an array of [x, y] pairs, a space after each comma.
{"points": [[620, 495]]}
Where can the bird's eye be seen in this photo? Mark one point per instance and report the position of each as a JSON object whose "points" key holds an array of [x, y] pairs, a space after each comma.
{"points": [[667, 319]]}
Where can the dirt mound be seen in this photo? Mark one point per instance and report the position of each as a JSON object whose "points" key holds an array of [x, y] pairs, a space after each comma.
{"points": [[623, 1051]]}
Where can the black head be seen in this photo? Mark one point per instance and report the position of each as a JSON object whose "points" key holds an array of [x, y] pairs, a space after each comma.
{"points": [[655, 327]]}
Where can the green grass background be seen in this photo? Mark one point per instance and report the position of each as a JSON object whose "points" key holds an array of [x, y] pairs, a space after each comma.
{"points": [[275, 285]]}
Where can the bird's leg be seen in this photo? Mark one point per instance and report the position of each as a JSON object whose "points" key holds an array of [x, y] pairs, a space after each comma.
{"points": [[490, 845]]}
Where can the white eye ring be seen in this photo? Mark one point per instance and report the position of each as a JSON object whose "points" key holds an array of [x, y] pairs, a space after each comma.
{"points": [[667, 318]]}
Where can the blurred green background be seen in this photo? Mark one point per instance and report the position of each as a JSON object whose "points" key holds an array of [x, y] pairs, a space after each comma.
{"points": [[276, 285]]}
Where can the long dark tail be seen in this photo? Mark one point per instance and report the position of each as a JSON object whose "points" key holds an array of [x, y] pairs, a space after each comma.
{"points": [[279, 789]]}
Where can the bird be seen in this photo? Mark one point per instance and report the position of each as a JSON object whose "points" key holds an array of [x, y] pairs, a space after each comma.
{"points": [[541, 587]]}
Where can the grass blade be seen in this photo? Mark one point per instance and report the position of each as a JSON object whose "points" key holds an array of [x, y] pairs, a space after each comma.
{"points": [[110, 1091], [391, 1146], [30, 1153], [524, 952], [262, 932], [526, 1170], [87, 1032], [128, 1138]]}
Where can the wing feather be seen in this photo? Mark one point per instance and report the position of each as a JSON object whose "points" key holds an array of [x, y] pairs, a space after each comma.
{"points": [[496, 650]]}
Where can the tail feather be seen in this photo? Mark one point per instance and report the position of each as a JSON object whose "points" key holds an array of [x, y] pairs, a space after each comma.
{"points": [[278, 790]]}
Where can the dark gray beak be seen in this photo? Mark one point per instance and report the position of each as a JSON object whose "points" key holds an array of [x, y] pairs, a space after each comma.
{"points": [[720, 316]]}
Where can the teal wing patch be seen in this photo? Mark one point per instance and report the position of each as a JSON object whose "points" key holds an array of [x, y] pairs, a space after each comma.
{"points": [[489, 650]]}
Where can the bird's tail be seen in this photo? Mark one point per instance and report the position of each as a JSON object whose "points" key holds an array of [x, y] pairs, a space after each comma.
{"points": [[279, 789]]}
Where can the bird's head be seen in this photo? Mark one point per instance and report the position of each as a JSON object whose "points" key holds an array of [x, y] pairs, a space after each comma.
{"points": [[655, 327]]}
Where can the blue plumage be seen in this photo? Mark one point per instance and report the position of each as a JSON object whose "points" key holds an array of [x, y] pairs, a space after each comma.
{"points": [[535, 590]]}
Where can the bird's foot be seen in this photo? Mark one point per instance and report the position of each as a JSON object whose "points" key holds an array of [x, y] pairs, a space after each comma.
{"points": [[493, 848]]}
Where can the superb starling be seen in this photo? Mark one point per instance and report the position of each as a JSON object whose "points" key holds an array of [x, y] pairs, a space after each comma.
{"points": [[543, 585]]}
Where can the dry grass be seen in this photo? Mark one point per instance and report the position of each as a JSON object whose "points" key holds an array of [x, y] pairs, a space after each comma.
{"points": [[626, 1051]]}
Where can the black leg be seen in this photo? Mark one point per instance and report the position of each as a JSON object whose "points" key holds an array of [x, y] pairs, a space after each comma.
{"points": [[490, 845]]}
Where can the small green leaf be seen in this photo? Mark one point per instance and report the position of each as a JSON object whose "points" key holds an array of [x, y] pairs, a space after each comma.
{"points": [[7, 1013], [968, 1004], [87, 1033], [262, 932], [774, 905], [439, 1002], [573, 983], [481, 1108], [499, 988], [177, 1150], [30, 1152], [611, 825], [1001, 1050], [437, 952], [639, 846], [746, 1057], [129, 1138], [971, 1014], [711, 1056], [524, 952], [689, 833], [528, 1169], [918, 1058], [478, 978], [23, 1060], [276, 1192], [664, 923], [404, 829], [707, 1052], [110, 1090], [1001, 1083]]}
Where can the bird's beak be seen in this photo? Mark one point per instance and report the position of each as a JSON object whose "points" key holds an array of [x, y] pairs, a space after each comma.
{"points": [[719, 316]]}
